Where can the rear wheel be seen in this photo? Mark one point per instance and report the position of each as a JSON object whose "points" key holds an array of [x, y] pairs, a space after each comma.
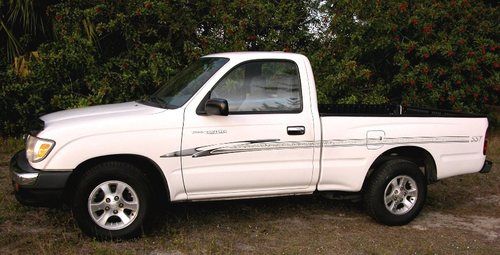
{"points": [[112, 200], [395, 193]]}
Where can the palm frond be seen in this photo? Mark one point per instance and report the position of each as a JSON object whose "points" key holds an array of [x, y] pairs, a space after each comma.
{"points": [[90, 31], [25, 12], [13, 45]]}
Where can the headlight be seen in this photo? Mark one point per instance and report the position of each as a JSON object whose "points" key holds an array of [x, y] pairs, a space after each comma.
{"points": [[37, 148]]}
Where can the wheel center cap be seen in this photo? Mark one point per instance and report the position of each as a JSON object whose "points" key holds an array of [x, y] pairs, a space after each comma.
{"points": [[113, 203], [399, 194]]}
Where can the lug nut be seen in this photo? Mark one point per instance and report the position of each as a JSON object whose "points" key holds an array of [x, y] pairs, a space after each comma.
{"points": [[108, 200], [106, 208], [116, 198], [115, 211], [120, 205]]}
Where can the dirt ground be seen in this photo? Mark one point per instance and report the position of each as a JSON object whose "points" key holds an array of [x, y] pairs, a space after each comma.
{"points": [[462, 215]]}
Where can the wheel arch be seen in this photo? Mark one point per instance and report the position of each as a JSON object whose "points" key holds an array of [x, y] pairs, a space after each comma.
{"points": [[418, 155], [145, 164]]}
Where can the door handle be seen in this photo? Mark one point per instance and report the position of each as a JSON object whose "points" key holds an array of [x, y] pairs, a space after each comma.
{"points": [[296, 130]]}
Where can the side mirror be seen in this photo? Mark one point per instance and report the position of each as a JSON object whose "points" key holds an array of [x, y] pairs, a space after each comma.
{"points": [[217, 106]]}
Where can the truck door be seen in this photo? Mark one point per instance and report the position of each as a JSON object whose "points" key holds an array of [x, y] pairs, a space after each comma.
{"points": [[265, 146]]}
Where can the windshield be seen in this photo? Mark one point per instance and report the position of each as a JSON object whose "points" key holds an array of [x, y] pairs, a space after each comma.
{"points": [[185, 84]]}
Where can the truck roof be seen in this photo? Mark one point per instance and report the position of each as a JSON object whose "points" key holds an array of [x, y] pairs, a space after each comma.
{"points": [[258, 55]]}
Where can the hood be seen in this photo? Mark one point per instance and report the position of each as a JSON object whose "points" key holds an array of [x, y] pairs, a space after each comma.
{"points": [[110, 110]]}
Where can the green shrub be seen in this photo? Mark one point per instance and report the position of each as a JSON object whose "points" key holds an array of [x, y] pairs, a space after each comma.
{"points": [[440, 54], [428, 53]]}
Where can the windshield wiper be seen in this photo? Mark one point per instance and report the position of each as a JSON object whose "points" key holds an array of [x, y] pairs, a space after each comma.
{"points": [[158, 101]]}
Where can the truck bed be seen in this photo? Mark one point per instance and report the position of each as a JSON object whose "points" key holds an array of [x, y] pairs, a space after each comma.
{"points": [[353, 136], [386, 110]]}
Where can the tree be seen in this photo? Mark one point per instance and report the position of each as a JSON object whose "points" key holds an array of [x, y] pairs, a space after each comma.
{"points": [[22, 25], [441, 54], [114, 51]]}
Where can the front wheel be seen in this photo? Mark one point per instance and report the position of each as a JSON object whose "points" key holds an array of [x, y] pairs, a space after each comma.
{"points": [[395, 193], [112, 200]]}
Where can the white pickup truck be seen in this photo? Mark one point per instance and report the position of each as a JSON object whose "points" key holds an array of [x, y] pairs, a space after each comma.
{"points": [[240, 125]]}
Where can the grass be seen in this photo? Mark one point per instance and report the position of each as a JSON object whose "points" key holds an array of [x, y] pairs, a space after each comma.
{"points": [[8, 147], [462, 215]]}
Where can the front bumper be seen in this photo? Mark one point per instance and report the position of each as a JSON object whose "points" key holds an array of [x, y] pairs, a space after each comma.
{"points": [[35, 187], [486, 167]]}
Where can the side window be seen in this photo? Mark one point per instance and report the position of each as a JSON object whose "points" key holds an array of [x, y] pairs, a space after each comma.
{"points": [[261, 86]]}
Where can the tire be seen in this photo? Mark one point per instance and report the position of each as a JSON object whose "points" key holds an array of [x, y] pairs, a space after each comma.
{"points": [[390, 198], [103, 212]]}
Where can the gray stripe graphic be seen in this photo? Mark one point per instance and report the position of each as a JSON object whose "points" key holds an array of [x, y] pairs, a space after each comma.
{"points": [[275, 144]]}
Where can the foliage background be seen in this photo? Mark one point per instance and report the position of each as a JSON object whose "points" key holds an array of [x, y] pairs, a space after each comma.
{"points": [[440, 54]]}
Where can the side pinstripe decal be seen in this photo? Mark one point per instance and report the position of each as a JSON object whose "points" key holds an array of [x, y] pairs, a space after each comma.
{"points": [[275, 144]]}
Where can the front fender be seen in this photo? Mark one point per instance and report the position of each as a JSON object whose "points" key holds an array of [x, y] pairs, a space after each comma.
{"points": [[150, 144]]}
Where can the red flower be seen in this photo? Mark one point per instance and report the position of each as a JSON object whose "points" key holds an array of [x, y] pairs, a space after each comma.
{"points": [[461, 42], [428, 85], [451, 53], [458, 82], [148, 5], [252, 38], [471, 53], [480, 77], [427, 29], [452, 98], [475, 95], [403, 7], [396, 38], [426, 55], [414, 21], [412, 82], [58, 17], [485, 99], [425, 70], [98, 10], [483, 50], [496, 65], [411, 48]]}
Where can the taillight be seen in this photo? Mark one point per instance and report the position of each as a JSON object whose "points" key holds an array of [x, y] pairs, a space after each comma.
{"points": [[485, 145]]}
